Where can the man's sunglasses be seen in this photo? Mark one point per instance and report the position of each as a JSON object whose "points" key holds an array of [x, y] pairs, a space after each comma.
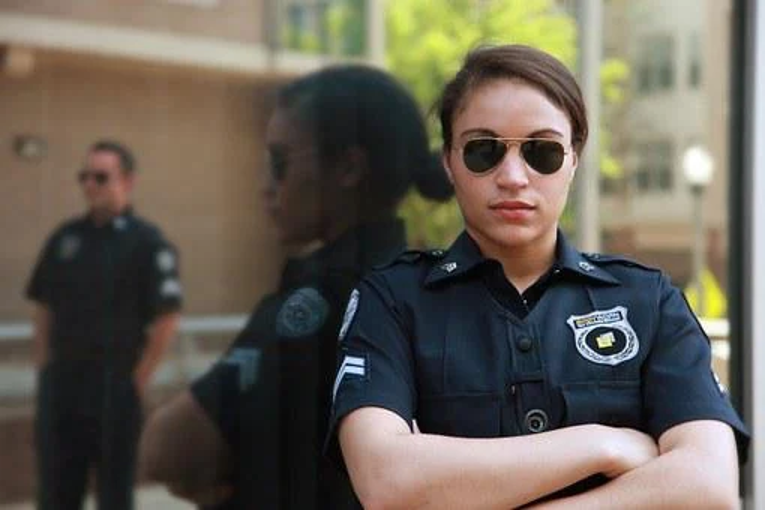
{"points": [[101, 177], [545, 156]]}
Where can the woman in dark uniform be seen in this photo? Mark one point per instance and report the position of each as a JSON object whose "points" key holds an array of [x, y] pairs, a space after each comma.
{"points": [[344, 145], [512, 369]]}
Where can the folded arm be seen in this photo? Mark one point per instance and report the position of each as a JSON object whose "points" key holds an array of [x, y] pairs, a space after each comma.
{"points": [[183, 449], [697, 468], [390, 467]]}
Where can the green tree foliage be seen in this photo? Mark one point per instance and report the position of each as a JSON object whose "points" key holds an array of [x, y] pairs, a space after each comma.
{"points": [[426, 42]]}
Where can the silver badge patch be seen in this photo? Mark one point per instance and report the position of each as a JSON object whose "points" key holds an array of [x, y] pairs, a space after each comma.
{"points": [[605, 336], [165, 260], [68, 247], [170, 287], [303, 313], [348, 316]]}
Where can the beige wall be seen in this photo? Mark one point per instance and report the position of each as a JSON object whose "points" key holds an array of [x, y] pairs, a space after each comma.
{"points": [[236, 20], [198, 142]]}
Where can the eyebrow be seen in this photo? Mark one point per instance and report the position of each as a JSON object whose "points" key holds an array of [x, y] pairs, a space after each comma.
{"points": [[489, 133]]}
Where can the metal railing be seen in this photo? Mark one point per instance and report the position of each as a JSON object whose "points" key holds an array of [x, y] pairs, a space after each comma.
{"points": [[187, 360]]}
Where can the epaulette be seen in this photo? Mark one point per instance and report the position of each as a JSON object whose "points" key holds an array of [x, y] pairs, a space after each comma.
{"points": [[413, 256], [602, 259]]}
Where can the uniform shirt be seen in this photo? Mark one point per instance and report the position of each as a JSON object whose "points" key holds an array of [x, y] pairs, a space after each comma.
{"points": [[270, 394], [104, 285], [446, 340]]}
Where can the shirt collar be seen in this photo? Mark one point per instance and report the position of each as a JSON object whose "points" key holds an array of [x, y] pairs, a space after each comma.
{"points": [[464, 255], [571, 260], [119, 223], [358, 249]]}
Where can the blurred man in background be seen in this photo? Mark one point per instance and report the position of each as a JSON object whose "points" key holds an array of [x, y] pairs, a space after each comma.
{"points": [[106, 295]]}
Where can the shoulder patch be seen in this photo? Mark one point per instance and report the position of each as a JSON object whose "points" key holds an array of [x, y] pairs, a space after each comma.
{"points": [[348, 316], [165, 260], [68, 246], [246, 360], [303, 313]]}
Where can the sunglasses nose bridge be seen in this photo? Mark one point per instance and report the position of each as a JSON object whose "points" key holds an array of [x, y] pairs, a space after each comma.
{"points": [[512, 168]]}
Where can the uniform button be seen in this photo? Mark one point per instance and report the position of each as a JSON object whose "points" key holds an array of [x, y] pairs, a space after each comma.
{"points": [[524, 343], [536, 421]]}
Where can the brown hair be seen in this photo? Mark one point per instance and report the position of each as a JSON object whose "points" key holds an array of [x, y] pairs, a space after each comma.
{"points": [[515, 61]]}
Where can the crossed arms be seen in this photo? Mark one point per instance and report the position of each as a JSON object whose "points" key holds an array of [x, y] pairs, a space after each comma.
{"points": [[693, 465]]}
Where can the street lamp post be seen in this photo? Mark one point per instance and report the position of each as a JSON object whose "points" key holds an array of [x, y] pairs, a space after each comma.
{"points": [[698, 170]]}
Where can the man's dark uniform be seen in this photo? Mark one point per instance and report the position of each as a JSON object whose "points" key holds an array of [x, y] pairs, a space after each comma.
{"points": [[104, 285]]}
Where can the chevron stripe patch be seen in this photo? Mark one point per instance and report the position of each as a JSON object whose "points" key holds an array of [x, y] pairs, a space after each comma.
{"points": [[352, 365]]}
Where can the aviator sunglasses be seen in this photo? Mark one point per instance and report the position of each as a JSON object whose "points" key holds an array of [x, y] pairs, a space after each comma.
{"points": [[101, 177], [543, 155]]}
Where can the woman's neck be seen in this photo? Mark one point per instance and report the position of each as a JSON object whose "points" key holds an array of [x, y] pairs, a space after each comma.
{"points": [[522, 264]]}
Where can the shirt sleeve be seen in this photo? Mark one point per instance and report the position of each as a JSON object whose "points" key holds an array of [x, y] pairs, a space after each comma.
{"points": [[375, 362], [165, 290], [244, 379], [679, 383], [39, 287]]}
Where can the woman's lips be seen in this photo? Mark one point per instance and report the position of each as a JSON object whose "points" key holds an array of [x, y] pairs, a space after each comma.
{"points": [[513, 210]]}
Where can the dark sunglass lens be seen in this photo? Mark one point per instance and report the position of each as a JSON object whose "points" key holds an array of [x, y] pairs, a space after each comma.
{"points": [[483, 154], [99, 177], [278, 168], [544, 156], [277, 163]]}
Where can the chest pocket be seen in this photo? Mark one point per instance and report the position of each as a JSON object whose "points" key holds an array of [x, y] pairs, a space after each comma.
{"points": [[613, 403], [466, 415]]}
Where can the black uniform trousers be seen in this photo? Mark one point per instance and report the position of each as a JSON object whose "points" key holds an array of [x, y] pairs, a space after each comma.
{"points": [[87, 420]]}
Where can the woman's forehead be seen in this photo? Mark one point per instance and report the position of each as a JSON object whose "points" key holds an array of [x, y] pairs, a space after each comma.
{"points": [[508, 107], [286, 128]]}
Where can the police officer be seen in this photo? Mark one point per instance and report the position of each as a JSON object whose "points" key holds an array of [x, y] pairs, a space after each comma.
{"points": [[344, 145], [529, 372], [107, 293]]}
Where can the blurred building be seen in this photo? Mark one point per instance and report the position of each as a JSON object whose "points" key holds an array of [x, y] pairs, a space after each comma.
{"points": [[187, 85], [678, 54]]}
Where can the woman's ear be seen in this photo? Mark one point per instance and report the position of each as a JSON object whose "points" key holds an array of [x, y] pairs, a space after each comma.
{"points": [[575, 162], [445, 164], [352, 168]]}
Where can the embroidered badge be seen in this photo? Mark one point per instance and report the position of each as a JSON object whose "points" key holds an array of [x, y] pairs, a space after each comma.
{"points": [[353, 365], [68, 247], [165, 260], [170, 287], [303, 313], [605, 336], [246, 360], [719, 384], [348, 316]]}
